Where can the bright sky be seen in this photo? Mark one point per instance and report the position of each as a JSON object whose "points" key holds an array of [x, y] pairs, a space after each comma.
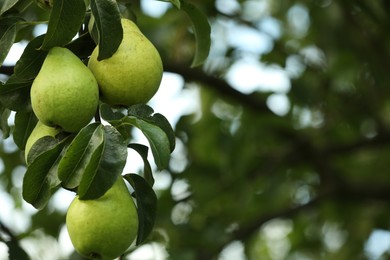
{"points": [[246, 75]]}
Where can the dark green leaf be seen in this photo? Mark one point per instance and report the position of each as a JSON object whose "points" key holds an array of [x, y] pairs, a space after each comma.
{"points": [[77, 156], [108, 23], [5, 129], [141, 111], [106, 165], [202, 32], [146, 205], [15, 93], [15, 251], [40, 178], [65, 21], [7, 4], [24, 124], [82, 46], [143, 152], [157, 139], [14, 6], [109, 114], [30, 63], [145, 112], [162, 122], [7, 35]]}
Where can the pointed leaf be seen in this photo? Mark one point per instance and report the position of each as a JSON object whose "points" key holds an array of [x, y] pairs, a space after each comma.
{"points": [[146, 205], [24, 124], [30, 63], [7, 4], [5, 129], [15, 93], [108, 22], [105, 166], [38, 182], [159, 143], [109, 114], [14, 6], [77, 156], [7, 35], [157, 139], [145, 112], [202, 32], [65, 20], [143, 152], [15, 251]]}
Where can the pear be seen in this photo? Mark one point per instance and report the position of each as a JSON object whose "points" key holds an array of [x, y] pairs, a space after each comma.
{"points": [[65, 93], [103, 228], [40, 130], [133, 74]]}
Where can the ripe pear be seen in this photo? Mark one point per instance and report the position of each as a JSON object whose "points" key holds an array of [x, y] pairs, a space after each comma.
{"points": [[103, 228], [40, 130], [133, 74], [65, 93]]}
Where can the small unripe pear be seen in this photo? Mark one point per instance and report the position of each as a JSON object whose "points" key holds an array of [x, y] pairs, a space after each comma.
{"points": [[65, 93], [103, 228], [133, 74], [40, 130]]}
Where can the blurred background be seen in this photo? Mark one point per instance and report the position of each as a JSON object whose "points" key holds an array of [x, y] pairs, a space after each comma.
{"points": [[283, 136]]}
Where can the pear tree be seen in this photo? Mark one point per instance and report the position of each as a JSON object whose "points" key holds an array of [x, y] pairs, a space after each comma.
{"points": [[78, 91]]}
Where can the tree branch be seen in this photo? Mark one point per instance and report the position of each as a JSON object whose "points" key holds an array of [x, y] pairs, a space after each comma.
{"points": [[219, 85]]}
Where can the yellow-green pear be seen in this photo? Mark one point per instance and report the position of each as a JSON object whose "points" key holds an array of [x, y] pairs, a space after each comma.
{"points": [[103, 228], [65, 93], [40, 130], [133, 74]]}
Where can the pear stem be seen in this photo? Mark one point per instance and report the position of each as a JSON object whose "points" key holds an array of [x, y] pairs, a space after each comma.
{"points": [[97, 116]]}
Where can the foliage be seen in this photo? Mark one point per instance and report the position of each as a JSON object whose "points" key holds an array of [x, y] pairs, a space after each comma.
{"points": [[302, 178]]}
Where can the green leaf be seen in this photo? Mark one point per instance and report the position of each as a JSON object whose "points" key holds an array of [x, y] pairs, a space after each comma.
{"points": [[146, 205], [143, 152], [145, 112], [105, 167], [15, 93], [30, 63], [15, 251], [40, 177], [108, 22], [78, 155], [202, 32], [24, 124], [109, 114], [14, 6], [65, 20], [93, 161], [159, 143], [7, 35], [7, 4], [176, 3], [5, 129], [157, 139]]}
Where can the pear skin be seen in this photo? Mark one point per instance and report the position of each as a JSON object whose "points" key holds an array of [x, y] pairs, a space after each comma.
{"points": [[132, 75], [65, 93], [103, 228]]}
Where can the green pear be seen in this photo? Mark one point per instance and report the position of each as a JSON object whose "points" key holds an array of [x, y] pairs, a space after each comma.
{"points": [[133, 74], [40, 130], [103, 228], [65, 93]]}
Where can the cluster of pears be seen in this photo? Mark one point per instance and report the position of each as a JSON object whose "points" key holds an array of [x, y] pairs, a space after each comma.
{"points": [[65, 96]]}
